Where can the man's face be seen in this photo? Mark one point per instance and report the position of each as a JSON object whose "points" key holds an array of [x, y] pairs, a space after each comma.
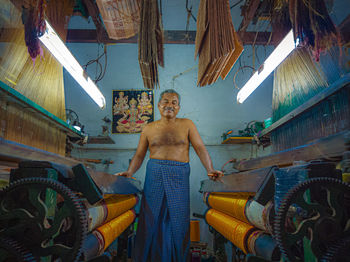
{"points": [[169, 105]]}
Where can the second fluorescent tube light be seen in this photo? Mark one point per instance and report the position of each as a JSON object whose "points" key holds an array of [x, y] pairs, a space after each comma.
{"points": [[59, 50], [286, 46]]}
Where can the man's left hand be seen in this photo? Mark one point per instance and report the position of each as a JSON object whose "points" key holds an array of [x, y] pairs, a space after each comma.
{"points": [[215, 175]]}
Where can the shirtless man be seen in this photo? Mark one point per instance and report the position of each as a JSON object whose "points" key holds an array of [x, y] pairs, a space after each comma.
{"points": [[163, 228]]}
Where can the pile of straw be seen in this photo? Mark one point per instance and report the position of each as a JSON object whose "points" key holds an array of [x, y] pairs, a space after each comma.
{"points": [[217, 43], [150, 43]]}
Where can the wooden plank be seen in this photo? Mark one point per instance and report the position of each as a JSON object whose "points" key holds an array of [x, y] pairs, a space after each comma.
{"points": [[340, 83], [249, 181], [238, 140], [15, 152], [330, 148]]}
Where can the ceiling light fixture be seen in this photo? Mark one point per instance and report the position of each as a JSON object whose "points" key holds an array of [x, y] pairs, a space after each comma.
{"points": [[60, 51], [284, 48]]}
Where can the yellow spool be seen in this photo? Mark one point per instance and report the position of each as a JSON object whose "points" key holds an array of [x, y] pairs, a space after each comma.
{"points": [[346, 177], [233, 205], [118, 204], [234, 230], [194, 231], [111, 230]]}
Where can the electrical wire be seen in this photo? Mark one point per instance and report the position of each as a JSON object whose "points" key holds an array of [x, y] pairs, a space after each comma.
{"points": [[233, 160], [235, 4], [189, 12], [241, 68], [102, 70]]}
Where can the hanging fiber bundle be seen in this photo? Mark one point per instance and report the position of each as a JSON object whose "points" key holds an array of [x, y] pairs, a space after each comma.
{"points": [[34, 27], [121, 17], [150, 43], [217, 43], [312, 24]]}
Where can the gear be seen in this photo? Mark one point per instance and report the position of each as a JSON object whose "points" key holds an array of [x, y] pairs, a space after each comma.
{"points": [[45, 215], [338, 251], [11, 250], [312, 209]]}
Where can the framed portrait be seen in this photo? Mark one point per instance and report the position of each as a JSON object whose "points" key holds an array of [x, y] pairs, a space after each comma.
{"points": [[132, 110]]}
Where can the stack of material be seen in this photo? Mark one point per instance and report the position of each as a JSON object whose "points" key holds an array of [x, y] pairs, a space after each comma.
{"points": [[121, 17], [150, 43], [217, 43]]}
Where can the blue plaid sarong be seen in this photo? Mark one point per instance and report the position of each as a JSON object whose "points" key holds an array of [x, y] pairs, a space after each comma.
{"points": [[163, 228]]}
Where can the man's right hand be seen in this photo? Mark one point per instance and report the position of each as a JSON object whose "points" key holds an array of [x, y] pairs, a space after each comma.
{"points": [[125, 173]]}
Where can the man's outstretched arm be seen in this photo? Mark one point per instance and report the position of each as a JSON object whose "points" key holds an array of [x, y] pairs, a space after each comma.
{"points": [[139, 156], [202, 152]]}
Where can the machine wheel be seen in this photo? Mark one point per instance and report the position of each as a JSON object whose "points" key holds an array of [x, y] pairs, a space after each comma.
{"points": [[315, 210], [44, 215], [338, 252], [12, 251]]}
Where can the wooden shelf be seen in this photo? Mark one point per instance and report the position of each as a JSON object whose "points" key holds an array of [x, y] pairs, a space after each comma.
{"points": [[100, 140], [238, 140]]}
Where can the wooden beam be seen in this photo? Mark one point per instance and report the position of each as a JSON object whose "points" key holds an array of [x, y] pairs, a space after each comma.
{"points": [[325, 148], [90, 36], [94, 13], [248, 12], [172, 37], [344, 29]]}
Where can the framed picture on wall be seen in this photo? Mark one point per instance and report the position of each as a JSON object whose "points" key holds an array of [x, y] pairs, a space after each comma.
{"points": [[132, 110]]}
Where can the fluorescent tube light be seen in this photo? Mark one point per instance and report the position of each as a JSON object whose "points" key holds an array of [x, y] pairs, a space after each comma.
{"points": [[59, 50], [284, 48]]}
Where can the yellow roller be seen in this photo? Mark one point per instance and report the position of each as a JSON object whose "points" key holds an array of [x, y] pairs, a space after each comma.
{"points": [[234, 230], [118, 204], [111, 207], [111, 230], [233, 205]]}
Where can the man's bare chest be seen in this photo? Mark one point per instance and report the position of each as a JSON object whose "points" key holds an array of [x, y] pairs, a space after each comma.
{"points": [[169, 137]]}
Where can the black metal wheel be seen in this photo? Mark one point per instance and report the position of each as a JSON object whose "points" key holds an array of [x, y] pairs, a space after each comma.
{"points": [[339, 251], [12, 251], [44, 215], [316, 211]]}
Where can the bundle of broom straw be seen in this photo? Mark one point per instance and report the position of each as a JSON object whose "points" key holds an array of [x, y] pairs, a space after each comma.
{"points": [[217, 43], [150, 43]]}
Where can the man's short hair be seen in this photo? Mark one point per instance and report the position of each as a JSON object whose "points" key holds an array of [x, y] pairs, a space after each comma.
{"points": [[169, 91]]}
